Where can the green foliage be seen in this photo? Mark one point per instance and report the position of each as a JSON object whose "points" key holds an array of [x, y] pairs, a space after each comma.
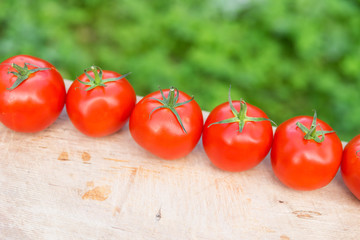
{"points": [[286, 56]]}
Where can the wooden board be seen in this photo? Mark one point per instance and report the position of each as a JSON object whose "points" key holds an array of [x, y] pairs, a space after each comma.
{"points": [[60, 184]]}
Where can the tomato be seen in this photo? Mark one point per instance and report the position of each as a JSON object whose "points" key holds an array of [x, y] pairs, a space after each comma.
{"points": [[32, 93], [237, 136], [306, 153], [169, 127], [100, 102], [350, 166]]}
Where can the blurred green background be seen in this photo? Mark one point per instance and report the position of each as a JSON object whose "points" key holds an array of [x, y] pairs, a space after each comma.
{"points": [[288, 57]]}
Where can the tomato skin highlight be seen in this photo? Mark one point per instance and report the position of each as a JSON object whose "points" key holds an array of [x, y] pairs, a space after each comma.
{"points": [[37, 102], [304, 164], [231, 150], [161, 133], [350, 166], [100, 111]]}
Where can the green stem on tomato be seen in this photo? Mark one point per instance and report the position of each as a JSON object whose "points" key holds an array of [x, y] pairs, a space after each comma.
{"points": [[241, 116], [171, 97], [171, 103], [97, 80], [311, 133], [23, 73]]}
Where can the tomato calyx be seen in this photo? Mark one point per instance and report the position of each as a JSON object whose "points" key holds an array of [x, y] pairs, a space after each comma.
{"points": [[171, 103], [98, 80], [23, 73], [241, 117], [311, 133]]}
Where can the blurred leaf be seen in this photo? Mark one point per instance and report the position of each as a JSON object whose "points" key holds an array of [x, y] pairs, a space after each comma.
{"points": [[287, 56]]}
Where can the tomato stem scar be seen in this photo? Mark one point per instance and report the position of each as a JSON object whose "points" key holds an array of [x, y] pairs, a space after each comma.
{"points": [[358, 153]]}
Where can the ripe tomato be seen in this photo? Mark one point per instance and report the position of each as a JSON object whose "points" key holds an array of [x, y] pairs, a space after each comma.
{"points": [[237, 136], [99, 102], [306, 153], [32, 93], [350, 166], [168, 127]]}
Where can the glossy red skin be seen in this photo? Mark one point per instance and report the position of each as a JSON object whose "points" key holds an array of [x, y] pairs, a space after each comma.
{"points": [[103, 110], [304, 164], [350, 166], [37, 102], [231, 150], [161, 134]]}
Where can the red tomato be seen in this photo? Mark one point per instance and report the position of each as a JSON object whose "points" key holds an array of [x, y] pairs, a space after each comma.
{"points": [[306, 153], [100, 102], [233, 144], [154, 125], [350, 166], [32, 93]]}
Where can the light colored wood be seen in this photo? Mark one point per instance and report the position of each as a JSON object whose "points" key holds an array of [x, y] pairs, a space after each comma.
{"points": [[60, 184]]}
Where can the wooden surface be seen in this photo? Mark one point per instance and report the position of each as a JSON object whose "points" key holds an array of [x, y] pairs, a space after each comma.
{"points": [[60, 184]]}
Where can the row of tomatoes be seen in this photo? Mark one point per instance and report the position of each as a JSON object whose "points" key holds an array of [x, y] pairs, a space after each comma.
{"points": [[306, 153]]}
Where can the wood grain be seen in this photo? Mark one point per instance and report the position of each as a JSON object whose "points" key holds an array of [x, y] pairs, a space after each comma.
{"points": [[60, 184]]}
